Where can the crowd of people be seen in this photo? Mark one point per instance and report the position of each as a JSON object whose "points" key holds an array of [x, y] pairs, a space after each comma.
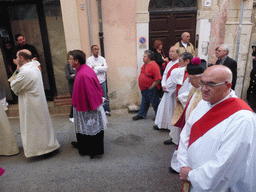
{"points": [[87, 86], [213, 129]]}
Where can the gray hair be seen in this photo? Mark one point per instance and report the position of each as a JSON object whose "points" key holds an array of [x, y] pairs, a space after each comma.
{"points": [[150, 54], [184, 34], [186, 55], [225, 47]]}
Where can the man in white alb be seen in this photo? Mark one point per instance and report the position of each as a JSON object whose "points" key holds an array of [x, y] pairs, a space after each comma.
{"points": [[217, 148], [195, 71], [178, 82], [166, 106], [37, 132]]}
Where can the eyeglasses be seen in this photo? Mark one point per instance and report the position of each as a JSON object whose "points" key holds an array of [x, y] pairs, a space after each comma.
{"points": [[210, 84], [218, 50]]}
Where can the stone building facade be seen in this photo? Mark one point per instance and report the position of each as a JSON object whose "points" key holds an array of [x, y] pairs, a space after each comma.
{"points": [[75, 24]]}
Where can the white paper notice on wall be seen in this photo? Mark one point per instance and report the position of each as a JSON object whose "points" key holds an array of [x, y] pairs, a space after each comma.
{"points": [[82, 6], [207, 3]]}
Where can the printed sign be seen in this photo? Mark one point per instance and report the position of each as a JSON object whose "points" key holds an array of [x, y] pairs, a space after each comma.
{"points": [[142, 40]]}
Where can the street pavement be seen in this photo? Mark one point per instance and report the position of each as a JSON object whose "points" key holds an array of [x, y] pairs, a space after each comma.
{"points": [[135, 159]]}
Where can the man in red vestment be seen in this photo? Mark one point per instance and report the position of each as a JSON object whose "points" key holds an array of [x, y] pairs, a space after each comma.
{"points": [[217, 148]]}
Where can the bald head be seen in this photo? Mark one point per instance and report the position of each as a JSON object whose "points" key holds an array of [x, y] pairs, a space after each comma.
{"points": [[216, 82], [24, 56], [185, 37], [219, 72], [25, 53]]}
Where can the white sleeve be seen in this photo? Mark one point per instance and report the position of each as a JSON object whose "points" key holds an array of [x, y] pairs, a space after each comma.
{"points": [[177, 75], [22, 83], [163, 82], [100, 68], [89, 62], [183, 145], [184, 92], [170, 85], [230, 162]]}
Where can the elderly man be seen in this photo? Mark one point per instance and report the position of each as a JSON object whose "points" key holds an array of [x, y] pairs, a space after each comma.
{"points": [[195, 71], [179, 83], [37, 132], [223, 59], [89, 116], [217, 148], [99, 65], [184, 45], [149, 80], [166, 106]]}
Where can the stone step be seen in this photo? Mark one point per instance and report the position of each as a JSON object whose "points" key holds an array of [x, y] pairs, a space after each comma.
{"points": [[60, 105]]}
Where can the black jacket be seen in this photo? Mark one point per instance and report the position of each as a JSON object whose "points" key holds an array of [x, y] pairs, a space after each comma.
{"points": [[232, 65]]}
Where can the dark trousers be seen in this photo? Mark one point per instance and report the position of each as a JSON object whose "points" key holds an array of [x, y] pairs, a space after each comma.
{"points": [[149, 96], [104, 89]]}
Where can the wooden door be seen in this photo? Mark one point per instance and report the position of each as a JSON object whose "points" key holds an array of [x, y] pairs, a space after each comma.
{"points": [[168, 26]]}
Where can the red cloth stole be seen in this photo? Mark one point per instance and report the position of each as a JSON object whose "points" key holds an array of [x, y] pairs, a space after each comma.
{"points": [[176, 65], [179, 86], [213, 117], [166, 62], [181, 122]]}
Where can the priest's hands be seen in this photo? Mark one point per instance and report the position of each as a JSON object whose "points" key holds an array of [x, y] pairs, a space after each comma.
{"points": [[165, 89], [184, 173]]}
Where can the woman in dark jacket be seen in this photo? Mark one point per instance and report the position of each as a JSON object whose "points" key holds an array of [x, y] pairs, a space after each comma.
{"points": [[161, 57]]}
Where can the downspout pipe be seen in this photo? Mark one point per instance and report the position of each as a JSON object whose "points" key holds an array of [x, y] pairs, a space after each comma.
{"points": [[89, 22], [238, 42], [101, 29], [239, 30]]}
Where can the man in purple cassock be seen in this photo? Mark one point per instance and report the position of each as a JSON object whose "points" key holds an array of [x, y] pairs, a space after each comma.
{"points": [[89, 116]]}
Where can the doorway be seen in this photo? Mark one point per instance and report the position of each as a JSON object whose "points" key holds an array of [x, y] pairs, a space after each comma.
{"points": [[169, 19], [26, 17]]}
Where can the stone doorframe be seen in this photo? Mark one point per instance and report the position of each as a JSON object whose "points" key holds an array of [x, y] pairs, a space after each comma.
{"points": [[210, 22], [142, 25]]}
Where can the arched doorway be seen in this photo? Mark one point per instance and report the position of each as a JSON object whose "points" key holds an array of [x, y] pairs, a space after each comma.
{"points": [[169, 19]]}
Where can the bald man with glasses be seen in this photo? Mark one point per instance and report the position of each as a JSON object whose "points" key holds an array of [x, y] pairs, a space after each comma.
{"points": [[217, 148]]}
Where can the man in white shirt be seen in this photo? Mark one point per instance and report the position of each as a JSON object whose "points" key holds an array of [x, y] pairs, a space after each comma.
{"points": [[217, 148], [99, 65]]}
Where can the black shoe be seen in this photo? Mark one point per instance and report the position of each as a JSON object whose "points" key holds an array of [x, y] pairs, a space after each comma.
{"points": [[172, 170], [74, 144], [137, 117], [155, 127], [168, 142], [108, 113]]}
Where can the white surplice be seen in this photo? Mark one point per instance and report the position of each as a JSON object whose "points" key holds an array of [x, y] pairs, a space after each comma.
{"points": [[177, 77], [37, 132], [8, 144], [195, 99], [166, 106], [223, 159]]}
